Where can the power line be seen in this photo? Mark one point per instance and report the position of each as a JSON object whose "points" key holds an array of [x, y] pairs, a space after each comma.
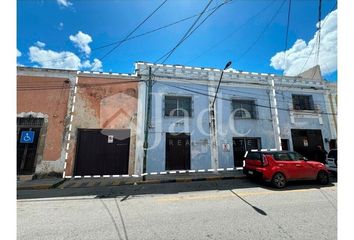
{"points": [[140, 35], [128, 37], [188, 33], [314, 46], [262, 32], [230, 100], [135, 29], [233, 32], [287, 32], [242, 92], [56, 87], [319, 31], [154, 30], [185, 35]]}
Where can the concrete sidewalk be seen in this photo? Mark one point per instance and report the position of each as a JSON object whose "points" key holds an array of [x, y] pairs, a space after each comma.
{"points": [[84, 182], [39, 184]]}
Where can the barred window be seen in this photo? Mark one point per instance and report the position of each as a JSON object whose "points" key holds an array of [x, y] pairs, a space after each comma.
{"points": [[303, 102], [178, 106], [244, 109]]}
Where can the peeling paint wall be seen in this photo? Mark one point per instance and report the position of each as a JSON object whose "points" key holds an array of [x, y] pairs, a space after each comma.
{"points": [[45, 95], [104, 103]]}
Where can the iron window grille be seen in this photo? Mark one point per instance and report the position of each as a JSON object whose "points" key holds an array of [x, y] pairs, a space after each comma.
{"points": [[177, 106], [30, 122], [245, 109], [303, 102]]}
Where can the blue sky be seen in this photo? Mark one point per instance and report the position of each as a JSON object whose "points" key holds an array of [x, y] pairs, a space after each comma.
{"points": [[92, 24]]}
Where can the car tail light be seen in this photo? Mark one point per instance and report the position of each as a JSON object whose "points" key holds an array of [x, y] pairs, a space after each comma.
{"points": [[265, 161]]}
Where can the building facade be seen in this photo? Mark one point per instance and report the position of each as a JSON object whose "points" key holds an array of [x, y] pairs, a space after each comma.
{"points": [[78, 123], [42, 119], [162, 118], [251, 111]]}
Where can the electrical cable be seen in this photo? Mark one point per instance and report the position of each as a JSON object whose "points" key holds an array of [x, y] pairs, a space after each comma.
{"points": [[233, 32], [167, 55], [261, 33], [30, 88], [154, 30], [188, 33], [226, 99], [319, 31], [135, 29], [140, 35], [287, 33], [314, 46]]}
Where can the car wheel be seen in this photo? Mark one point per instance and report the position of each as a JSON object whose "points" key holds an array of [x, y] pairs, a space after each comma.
{"points": [[279, 180], [323, 178]]}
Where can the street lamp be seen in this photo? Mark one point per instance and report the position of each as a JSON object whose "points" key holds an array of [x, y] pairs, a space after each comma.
{"points": [[217, 89]]}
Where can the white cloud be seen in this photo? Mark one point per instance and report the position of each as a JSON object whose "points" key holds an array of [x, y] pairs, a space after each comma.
{"points": [[82, 40], [64, 3], [52, 59], [298, 54], [61, 60], [96, 65], [19, 54], [40, 44]]}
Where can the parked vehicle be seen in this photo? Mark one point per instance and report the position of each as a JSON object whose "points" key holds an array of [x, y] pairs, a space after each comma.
{"points": [[331, 161], [279, 167]]}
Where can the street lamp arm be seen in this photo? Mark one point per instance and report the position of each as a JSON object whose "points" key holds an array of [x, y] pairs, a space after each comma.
{"points": [[217, 89]]}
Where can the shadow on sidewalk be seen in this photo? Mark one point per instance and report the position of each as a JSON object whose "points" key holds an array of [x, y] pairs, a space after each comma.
{"points": [[127, 191]]}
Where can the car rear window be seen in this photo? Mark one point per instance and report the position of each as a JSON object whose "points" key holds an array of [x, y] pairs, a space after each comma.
{"points": [[253, 156], [281, 156]]}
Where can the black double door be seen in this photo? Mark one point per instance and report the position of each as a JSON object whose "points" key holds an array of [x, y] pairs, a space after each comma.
{"points": [[178, 151], [102, 152], [241, 145]]}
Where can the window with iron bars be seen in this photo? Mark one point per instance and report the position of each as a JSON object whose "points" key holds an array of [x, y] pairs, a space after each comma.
{"points": [[245, 109], [303, 102], [30, 121], [178, 106]]}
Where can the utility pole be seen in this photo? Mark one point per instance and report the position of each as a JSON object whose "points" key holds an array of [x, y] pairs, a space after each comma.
{"points": [[147, 121], [213, 124]]}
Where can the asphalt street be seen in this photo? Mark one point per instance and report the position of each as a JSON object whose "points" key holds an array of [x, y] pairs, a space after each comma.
{"points": [[229, 209]]}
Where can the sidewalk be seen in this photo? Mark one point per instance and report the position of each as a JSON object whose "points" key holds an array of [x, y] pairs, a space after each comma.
{"points": [[84, 182], [150, 179]]}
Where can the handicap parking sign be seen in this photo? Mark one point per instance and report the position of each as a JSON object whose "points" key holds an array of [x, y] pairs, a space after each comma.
{"points": [[27, 137]]}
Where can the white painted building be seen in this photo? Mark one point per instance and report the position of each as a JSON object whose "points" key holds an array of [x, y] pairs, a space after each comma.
{"points": [[253, 110]]}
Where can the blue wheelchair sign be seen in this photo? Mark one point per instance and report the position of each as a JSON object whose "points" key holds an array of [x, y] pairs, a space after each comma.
{"points": [[27, 137]]}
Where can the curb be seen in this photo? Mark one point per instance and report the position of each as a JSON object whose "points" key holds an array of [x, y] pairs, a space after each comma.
{"points": [[212, 178]]}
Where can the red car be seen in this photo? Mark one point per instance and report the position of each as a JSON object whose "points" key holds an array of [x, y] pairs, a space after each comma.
{"points": [[279, 167]]}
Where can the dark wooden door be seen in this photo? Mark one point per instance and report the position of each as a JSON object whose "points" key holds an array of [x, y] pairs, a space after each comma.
{"points": [[102, 152], [178, 151], [241, 145]]}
